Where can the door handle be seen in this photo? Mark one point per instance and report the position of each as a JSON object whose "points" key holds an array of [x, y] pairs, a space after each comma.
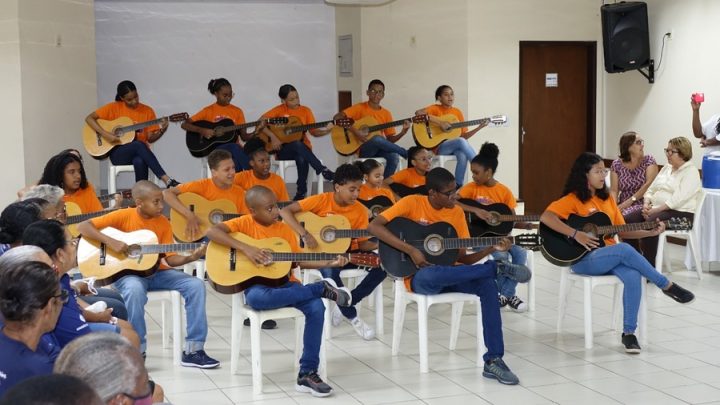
{"points": [[522, 135]]}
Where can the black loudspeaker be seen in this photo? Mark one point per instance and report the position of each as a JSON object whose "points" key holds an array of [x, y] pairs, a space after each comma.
{"points": [[625, 36]]}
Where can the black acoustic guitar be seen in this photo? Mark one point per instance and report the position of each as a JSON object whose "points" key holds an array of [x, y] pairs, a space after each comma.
{"points": [[225, 132], [438, 241], [404, 191], [376, 205], [560, 250], [502, 220]]}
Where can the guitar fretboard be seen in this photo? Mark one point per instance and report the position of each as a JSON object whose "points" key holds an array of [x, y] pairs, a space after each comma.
{"points": [[519, 218], [303, 128], [76, 219], [613, 229], [351, 233], [171, 247], [386, 125], [227, 217], [462, 243], [301, 257], [223, 130], [141, 125], [469, 123]]}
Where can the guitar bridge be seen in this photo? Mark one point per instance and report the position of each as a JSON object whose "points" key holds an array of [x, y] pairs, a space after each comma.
{"points": [[103, 254], [98, 138], [428, 129], [233, 260]]}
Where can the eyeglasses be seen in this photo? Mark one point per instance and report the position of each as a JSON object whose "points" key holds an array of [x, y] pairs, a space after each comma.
{"points": [[424, 159], [64, 296], [373, 91], [639, 142], [603, 172], [74, 241], [448, 193], [671, 151], [151, 388]]}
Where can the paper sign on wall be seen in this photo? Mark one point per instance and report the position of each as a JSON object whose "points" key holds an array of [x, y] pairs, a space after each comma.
{"points": [[551, 79]]}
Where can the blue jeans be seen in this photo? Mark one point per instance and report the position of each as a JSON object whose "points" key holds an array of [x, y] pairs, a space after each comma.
{"points": [[478, 279], [140, 156], [241, 160], [306, 298], [461, 149], [134, 291], [378, 146], [506, 286], [304, 158], [630, 267], [374, 277], [113, 300], [103, 327]]}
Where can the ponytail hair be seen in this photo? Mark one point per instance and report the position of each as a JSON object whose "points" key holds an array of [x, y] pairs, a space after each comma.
{"points": [[488, 156], [216, 84], [367, 166], [123, 88]]}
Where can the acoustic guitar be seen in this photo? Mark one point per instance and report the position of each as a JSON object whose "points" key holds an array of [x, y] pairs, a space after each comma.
{"points": [[332, 233], [438, 241], [230, 271], [501, 222], [294, 130], [123, 128], [346, 143], [429, 134], [97, 260], [377, 204], [404, 191], [560, 250], [225, 131]]}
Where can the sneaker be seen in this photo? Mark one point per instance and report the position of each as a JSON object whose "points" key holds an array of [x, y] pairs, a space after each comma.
{"points": [[337, 316], [340, 295], [173, 183], [364, 330], [679, 294], [299, 197], [517, 272], [631, 343], [198, 359], [503, 300], [312, 383], [497, 369], [517, 304], [267, 324], [327, 174]]}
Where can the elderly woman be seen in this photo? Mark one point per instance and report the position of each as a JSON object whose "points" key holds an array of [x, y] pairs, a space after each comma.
{"points": [[54, 206], [13, 221], [108, 363], [30, 302], [674, 193]]}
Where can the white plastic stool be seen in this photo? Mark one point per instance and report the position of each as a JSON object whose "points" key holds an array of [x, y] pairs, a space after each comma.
{"points": [[281, 167], [114, 171], [172, 301]]}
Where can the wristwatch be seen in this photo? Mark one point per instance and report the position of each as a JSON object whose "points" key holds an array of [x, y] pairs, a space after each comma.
{"points": [[633, 199]]}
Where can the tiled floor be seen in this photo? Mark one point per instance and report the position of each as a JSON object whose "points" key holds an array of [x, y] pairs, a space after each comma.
{"points": [[679, 365]]}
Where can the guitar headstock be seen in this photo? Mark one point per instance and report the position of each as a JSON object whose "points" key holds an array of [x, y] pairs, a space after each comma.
{"points": [[344, 122], [678, 224], [497, 120], [126, 194], [419, 119], [179, 117], [365, 259], [277, 121], [529, 241]]}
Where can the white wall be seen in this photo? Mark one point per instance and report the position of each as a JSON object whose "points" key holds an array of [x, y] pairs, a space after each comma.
{"points": [[348, 22], [172, 49]]}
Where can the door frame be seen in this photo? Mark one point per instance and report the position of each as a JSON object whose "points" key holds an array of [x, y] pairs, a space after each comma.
{"points": [[591, 50]]}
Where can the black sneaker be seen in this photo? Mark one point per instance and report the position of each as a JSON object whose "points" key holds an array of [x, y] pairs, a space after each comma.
{"points": [[173, 183], [497, 369], [328, 174], [267, 324], [517, 272], [516, 304], [299, 197], [312, 383], [341, 295], [502, 300], [679, 294], [631, 343], [198, 359]]}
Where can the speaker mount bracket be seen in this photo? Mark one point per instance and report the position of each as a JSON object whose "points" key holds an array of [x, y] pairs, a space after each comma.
{"points": [[650, 74]]}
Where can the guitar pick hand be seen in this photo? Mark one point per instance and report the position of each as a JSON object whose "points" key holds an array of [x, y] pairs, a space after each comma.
{"points": [[419, 258], [588, 241]]}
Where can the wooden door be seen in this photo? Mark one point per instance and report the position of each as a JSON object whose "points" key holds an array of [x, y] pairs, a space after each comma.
{"points": [[557, 116]]}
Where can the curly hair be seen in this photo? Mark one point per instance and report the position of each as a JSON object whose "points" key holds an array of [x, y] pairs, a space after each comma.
{"points": [[346, 173], [54, 171], [487, 157], [577, 181], [25, 288], [16, 217]]}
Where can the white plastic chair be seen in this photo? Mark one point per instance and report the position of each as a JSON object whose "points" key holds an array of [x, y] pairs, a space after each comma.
{"points": [[198, 266], [443, 160], [568, 279], [355, 276], [240, 311], [281, 167], [692, 242], [172, 302], [531, 284], [113, 172], [204, 168], [424, 302]]}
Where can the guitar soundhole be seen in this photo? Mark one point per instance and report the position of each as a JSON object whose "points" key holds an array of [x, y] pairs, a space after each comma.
{"points": [[590, 229], [433, 245], [134, 251], [328, 234], [216, 217], [494, 219]]}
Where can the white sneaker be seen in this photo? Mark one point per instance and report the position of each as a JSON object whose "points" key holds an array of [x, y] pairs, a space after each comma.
{"points": [[363, 329], [337, 316], [516, 304]]}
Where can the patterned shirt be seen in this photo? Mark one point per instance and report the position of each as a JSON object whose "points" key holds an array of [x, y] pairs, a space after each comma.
{"points": [[630, 181]]}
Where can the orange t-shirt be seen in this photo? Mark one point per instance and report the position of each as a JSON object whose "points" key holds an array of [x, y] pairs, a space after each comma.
{"points": [[499, 193], [324, 205], [86, 199], [304, 114], [216, 112], [248, 226], [247, 179], [141, 113], [362, 110], [438, 110], [409, 177], [418, 209], [129, 220], [368, 193], [571, 204], [208, 190]]}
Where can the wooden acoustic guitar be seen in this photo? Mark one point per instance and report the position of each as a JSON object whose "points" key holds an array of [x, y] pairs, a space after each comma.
{"points": [[438, 241], [429, 134], [560, 250], [123, 128], [225, 131], [346, 143], [230, 271], [501, 220], [97, 260], [377, 204], [294, 130], [74, 215], [332, 233]]}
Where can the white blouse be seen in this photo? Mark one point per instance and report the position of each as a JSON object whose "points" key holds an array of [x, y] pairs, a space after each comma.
{"points": [[680, 190]]}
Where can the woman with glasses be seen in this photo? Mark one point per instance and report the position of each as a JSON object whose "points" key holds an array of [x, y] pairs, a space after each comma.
{"points": [[30, 302], [675, 192], [585, 193]]}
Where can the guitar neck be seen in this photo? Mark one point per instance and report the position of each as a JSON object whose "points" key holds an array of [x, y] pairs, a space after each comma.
{"points": [[76, 219], [351, 233], [302, 257], [238, 127], [307, 127], [171, 247], [227, 217], [519, 218], [613, 229], [458, 243], [469, 123], [386, 125], [142, 125]]}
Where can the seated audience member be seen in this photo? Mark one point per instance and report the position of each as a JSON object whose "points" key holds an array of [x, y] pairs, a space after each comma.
{"points": [[13, 221], [30, 302], [111, 365], [53, 389], [54, 204]]}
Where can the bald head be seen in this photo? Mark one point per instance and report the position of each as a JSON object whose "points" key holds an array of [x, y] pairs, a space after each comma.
{"points": [[143, 188], [22, 254], [259, 196]]}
